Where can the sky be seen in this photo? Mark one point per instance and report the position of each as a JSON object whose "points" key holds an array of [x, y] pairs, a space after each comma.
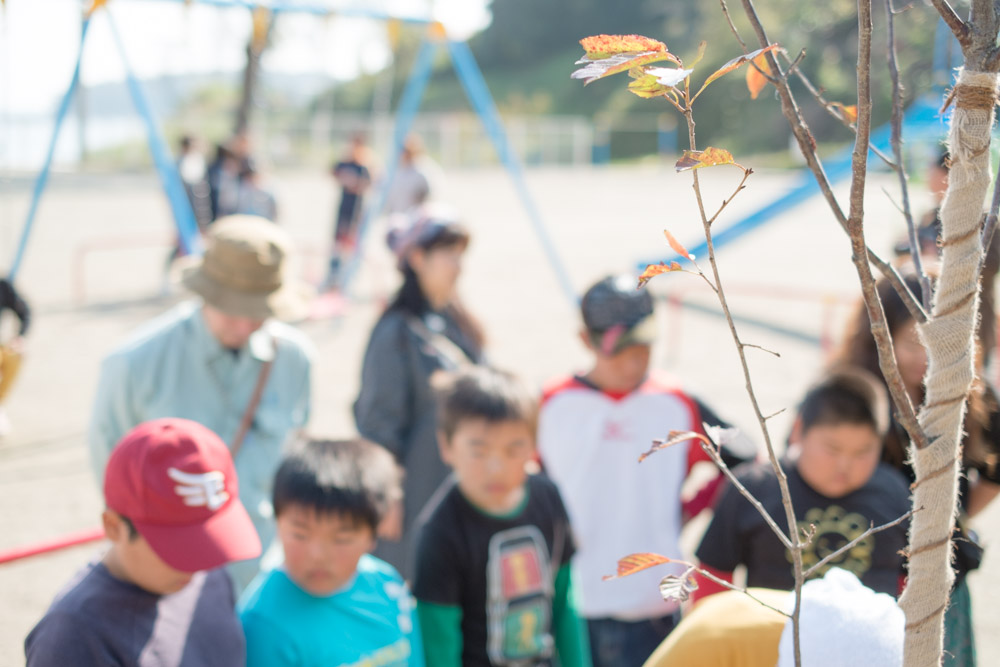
{"points": [[39, 41]]}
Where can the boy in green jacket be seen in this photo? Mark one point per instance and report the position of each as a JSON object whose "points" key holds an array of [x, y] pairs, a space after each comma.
{"points": [[492, 575]]}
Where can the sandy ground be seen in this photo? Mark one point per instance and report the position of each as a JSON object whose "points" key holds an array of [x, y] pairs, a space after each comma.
{"points": [[94, 270]]}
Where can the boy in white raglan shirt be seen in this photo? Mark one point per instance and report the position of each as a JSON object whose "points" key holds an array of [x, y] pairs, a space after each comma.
{"points": [[592, 429]]}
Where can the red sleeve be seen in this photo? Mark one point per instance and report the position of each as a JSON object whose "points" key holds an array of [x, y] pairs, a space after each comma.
{"points": [[708, 587], [703, 499], [705, 496]]}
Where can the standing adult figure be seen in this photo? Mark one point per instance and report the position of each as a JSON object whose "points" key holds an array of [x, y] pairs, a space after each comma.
{"points": [[980, 480], [224, 362], [424, 330], [353, 174]]}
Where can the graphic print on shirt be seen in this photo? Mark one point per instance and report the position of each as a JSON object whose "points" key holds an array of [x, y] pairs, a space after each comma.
{"points": [[519, 602], [835, 527]]}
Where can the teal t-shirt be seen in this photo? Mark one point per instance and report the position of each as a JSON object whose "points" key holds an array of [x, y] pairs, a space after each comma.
{"points": [[370, 622]]}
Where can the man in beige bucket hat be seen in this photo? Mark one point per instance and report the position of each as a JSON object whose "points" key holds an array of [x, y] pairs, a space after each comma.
{"points": [[224, 361]]}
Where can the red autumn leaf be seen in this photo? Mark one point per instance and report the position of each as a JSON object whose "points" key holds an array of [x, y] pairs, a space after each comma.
{"points": [[636, 563], [710, 157], [757, 78], [602, 46], [737, 62], [600, 68], [654, 270], [677, 247], [848, 112]]}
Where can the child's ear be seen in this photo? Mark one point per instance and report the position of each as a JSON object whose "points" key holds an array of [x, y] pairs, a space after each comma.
{"points": [[444, 447], [416, 259], [113, 525], [795, 437]]}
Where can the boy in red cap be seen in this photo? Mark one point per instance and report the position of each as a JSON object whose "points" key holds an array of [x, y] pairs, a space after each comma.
{"points": [[157, 596]]}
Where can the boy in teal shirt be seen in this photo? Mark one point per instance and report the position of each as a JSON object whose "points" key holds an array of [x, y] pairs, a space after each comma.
{"points": [[331, 602], [492, 574]]}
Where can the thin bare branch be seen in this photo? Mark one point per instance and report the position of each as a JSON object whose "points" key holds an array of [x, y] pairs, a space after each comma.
{"points": [[774, 414], [897, 150], [762, 349], [887, 361], [792, 539], [876, 315], [793, 66], [834, 111], [888, 195], [711, 450], [732, 26], [872, 529], [725, 584], [739, 188], [991, 219], [891, 274], [957, 25], [676, 437]]}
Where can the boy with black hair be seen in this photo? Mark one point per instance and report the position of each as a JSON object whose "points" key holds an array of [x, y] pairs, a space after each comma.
{"points": [[492, 574], [838, 487], [157, 596], [592, 429], [331, 602]]}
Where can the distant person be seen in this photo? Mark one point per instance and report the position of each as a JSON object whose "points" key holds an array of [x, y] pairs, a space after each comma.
{"points": [[194, 175], [331, 603], [592, 429], [173, 516], [224, 177], [353, 174], [837, 485], [254, 197], [224, 362], [411, 183], [11, 351], [425, 329], [493, 581], [842, 623]]}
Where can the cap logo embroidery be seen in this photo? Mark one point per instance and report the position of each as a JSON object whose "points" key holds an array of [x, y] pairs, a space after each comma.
{"points": [[200, 489]]}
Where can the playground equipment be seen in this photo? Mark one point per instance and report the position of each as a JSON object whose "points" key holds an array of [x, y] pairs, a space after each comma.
{"points": [[436, 37]]}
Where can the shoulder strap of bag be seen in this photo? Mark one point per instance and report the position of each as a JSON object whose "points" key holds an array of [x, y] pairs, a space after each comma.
{"points": [[251, 410], [450, 353]]}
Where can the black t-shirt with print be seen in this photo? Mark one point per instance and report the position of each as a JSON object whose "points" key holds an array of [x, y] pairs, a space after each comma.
{"points": [[738, 534], [499, 570]]}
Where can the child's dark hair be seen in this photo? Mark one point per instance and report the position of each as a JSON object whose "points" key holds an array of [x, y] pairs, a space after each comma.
{"points": [[133, 534], [355, 479], [485, 393], [846, 395]]}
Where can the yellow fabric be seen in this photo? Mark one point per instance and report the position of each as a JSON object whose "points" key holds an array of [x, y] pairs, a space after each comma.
{"points": [[10, 364], [728, 629]]}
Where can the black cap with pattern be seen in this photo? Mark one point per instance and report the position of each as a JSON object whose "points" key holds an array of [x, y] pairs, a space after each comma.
{"points": [[617, 315]]}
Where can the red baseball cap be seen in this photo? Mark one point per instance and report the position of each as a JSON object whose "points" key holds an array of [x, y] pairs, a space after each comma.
{"points": [[175, 481]]}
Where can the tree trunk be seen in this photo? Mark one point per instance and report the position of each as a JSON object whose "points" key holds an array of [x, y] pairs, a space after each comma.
{"points": [[949, 336]]}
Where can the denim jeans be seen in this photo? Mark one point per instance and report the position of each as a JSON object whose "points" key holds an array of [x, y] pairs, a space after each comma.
{"points": [[615, 643]]}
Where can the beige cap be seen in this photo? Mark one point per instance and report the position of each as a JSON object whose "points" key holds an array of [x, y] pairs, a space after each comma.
{"points": [[244, 270]]}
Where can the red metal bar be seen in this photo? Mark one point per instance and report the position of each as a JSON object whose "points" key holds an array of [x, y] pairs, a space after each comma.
{"points": [[71, 540]]}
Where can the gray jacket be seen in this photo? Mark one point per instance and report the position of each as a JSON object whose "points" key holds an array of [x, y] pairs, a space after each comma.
{"points": [[396, 406]]}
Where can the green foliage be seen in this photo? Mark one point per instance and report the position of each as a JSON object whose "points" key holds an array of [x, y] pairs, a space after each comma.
{"points": [[529, 48]]}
